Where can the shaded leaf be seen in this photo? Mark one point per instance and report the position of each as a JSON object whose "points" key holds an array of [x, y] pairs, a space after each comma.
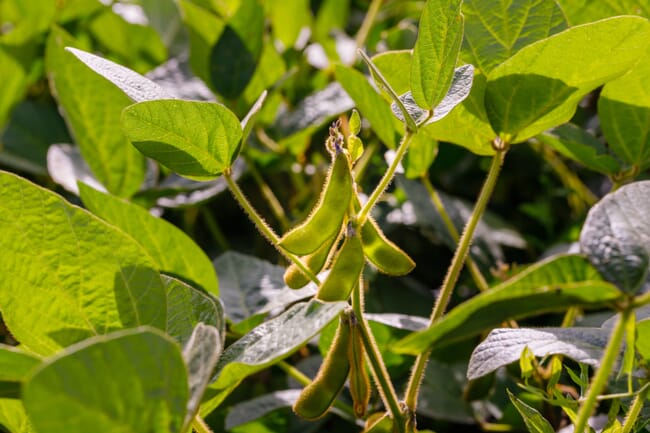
{"points": [[616, 236], [551, 285], [255, 408], [399, 321], [586, 11], [441, 393], [78, 390], [534, 420], [84, 277], [66, 166], [15, 364]]}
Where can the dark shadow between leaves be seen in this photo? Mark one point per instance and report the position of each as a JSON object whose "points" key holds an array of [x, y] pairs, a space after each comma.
{"points": [[232, 64]]}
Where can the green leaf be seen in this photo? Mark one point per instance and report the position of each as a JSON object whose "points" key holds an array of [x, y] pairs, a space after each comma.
{"points": [[248, 121], [643, 339], [25, 21], [551, 285], [92, 108], [201, 354], [13, 77], [616, 236], [371, 105], [436, 51], [585, 11], [579, 145], [504, 346], [268, 343], [441, 393], [187, 307], [255, 408], [497, 29], [534, 420], [83, 276], [173, 251], [288, 18], [198, 140], [422, 151], [134, 85], [13, 416], [624, 113], [540, 86], [132, 380], [15, 364], [395, 66]]}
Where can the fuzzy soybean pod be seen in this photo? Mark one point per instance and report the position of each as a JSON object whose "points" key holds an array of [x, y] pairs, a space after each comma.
{"points": [[359, 379], [293, 276], [345, 272], [382, 253], [326, 219], [317, 397]]}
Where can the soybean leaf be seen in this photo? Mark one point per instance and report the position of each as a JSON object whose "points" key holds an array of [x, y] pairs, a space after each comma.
{"points": [[585, 11], [540, 86], [551, 285], [83, 276], [534, 420], [624, 113], [66, 166], [579, 145], [643, 339], [26, 20], [255, 408], [436, 51], [288, 18], [616, 236], [371, 105], [497, 29], [248, 121], [441, 393], [201, 354], [14, 78], [187, 307], [173, 251], [92, 108], [504, 346], [395, 66], [134, 85], [422, 151], [129, 380], [399, 321], [15, 364], [267, 344], [198, 140], [13, 416]]}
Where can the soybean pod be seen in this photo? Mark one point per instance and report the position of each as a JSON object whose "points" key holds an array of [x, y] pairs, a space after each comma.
{"points": [[359, 380], [346, 270], [382, 253], [326, 219], [316, 261], [317, 397]]}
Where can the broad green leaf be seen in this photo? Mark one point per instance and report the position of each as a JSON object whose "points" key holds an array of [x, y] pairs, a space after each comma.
{"points": [[441, 392], [13, 76], [579, 145], [643, 339], [83, 276], [13, 416], [551, 285], [268, 343], [248, 121], [616, 236], [371, 105], [624, 113], [135, 44], [504, 346], [66, 166], [395, 66], [288, 18], [201, 354], [187, 307], [585, 11], [15, 364], [173, 251], [422, 151], [24, 21], [198, 140], [255, 408], [132, 380], [497, 29], [467, 125], [92, 108], [534, 420], [436, 51], [540, 86], [271, 68], [78, 9], [134, 85]]}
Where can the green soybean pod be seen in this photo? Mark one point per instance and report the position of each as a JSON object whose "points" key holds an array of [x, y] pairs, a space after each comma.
{"points": [[382, 253], [345, 272], [326, 219], [317, 397], [316, 261], [359, 379]]}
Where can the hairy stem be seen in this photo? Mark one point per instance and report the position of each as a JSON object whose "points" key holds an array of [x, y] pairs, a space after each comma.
{"points": [[453, 272], [635, 409], [199, 425], [602, 374]]}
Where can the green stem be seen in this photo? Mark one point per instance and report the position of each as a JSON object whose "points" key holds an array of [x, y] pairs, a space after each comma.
{"points": [[377, 365], [606, 365], [270, 197], [199, 425], [364, 30], [474, 271], [385, 180], [264, 228], [453, 272], [635, 409]]}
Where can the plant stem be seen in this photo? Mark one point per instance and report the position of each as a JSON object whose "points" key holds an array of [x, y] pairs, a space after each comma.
{"points": [[475, 272], [606, 365], [264, 228], [364, 30], [453, 272], [377, 365], [385, 180], [270, 197], [635, 409], [199, 425]]}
